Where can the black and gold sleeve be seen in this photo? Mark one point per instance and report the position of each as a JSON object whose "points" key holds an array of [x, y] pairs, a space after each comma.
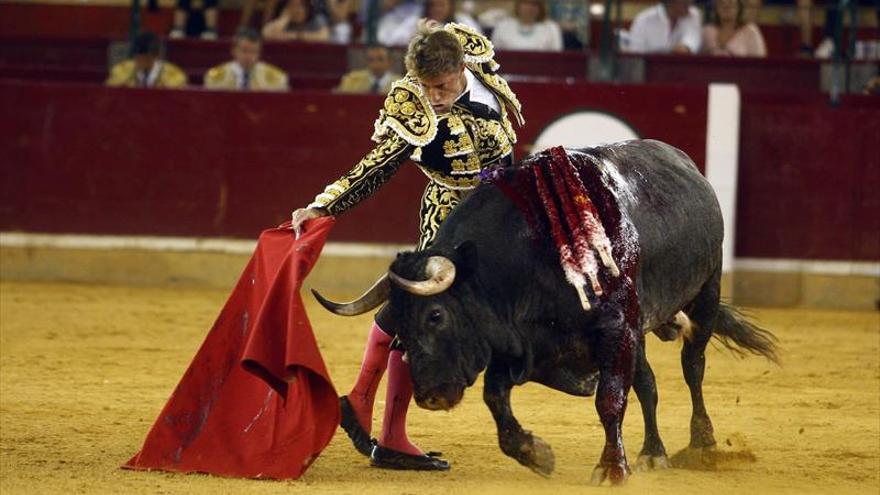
{"points": [[370, 173]]}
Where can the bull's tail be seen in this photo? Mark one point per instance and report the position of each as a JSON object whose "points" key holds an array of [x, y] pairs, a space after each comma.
{"points": [[740, 335]]}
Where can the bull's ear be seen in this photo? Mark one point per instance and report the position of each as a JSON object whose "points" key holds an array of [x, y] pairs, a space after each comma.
{"points": [[466, 258]]}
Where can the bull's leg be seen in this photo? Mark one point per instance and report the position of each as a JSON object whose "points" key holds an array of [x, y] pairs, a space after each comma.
{"points": [[653, 454], [616, 356], [703, 311], [527, 449]]}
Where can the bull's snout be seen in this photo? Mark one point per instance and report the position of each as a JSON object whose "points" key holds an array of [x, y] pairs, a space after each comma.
{"points": [[442, 398]]}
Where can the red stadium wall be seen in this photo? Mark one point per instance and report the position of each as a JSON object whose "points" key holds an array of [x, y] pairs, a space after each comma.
{"points": [[809, 178], [88, 159]]}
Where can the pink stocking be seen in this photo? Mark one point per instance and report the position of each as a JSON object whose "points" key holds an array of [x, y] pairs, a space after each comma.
{"points": [[398, 395], [363, 394]]}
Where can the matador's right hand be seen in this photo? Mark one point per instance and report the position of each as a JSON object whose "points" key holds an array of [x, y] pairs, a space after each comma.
{"points": [[302, 215]]}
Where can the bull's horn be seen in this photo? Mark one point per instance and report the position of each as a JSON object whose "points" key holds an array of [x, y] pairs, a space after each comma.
{"points": [[372, 298], [441, 274]]}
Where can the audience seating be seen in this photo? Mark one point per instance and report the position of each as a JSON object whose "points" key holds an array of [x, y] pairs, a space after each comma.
{"points": [[319, 66]]}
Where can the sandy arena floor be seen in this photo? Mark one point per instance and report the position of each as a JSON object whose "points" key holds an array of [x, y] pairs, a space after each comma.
{"points": [[84, 370]]}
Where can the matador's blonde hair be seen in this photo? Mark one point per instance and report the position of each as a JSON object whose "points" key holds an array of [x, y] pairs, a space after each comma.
{"points": [[433, 51]]}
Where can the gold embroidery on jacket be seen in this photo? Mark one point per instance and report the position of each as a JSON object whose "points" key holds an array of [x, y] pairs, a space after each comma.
{"points": [[407, 113], [478, 49], [437, 202], [499, 86], [457, 147], [366, 177], [455, 124], [470, 166], [416, 155], [407, 124], [457, 182]]}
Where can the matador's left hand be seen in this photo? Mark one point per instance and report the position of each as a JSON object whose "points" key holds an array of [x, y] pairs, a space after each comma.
{"points": [[302, 215]]}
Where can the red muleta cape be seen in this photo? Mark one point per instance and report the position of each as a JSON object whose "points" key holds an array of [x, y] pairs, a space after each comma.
{"points": [[256, 401]]}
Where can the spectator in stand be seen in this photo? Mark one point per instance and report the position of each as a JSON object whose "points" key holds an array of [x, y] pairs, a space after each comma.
{"points": [[376, 78], [396, 21], [528, 30], [671, 26], [573, 17], [298, 21], [442, 11], [146, 69], [340, 27], [751, 10], [728, 33], [246, 72], [835, 12], [805, 21], [195, 18], [270, 8], [445, 11], [872, 87]]}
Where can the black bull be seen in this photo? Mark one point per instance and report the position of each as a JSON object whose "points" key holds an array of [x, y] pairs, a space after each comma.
{"points": [[490, 295]]}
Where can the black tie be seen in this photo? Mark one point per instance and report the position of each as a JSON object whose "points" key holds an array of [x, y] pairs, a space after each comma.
{"points": [[375, 87], [246, 80]]}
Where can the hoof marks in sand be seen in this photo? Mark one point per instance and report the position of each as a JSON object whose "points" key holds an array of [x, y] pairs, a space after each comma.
{"points": [[712, 458]]}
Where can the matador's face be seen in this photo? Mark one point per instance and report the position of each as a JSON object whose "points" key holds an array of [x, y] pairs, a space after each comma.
{"points": [[442, 90]]}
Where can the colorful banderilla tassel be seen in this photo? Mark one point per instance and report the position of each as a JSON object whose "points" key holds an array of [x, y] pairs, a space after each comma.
{"points": [[569, 267], [587, 213], [569, 197]]}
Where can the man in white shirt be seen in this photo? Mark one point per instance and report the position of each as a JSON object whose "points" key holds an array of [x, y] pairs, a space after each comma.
{"points": [[671, 26], [529, 29], [396, 23]]}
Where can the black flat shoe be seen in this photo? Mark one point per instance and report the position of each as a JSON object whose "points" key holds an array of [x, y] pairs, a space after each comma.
{"points": [[359, 437], [386, 458]]}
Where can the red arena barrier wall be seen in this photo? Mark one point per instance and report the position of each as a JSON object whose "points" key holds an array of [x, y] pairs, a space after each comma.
{"points": [[809, 178], [88, 159]]}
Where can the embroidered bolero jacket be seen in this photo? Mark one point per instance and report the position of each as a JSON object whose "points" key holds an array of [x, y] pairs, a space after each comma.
{"points": [[450, 148]]}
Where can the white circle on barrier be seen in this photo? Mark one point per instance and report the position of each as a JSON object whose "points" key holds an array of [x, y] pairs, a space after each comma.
{"points": [[583, 129]]}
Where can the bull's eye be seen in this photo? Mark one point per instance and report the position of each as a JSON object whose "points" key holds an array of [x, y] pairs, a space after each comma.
{"points": [[435, 317]]}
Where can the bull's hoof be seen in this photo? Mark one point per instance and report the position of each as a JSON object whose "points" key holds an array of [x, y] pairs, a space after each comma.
{"points": [[529, 450], [617, 473], [647, 462], [537, 456]]}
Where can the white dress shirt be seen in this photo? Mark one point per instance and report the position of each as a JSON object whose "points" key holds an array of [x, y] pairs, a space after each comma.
{"points": [[651, 31], [510, 34], [397, 26], [148, 79], [238, 70], [480, 93], [396, 30], [382, 82]]}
